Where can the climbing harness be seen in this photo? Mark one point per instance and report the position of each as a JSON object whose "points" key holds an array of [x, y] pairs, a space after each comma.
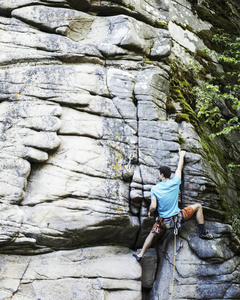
{"points": [[128, 169], [172, 222]]}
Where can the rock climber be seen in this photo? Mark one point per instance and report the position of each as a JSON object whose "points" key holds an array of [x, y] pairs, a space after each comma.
{"points": [[164, 198]]}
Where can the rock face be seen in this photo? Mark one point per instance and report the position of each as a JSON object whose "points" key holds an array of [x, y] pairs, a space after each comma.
{"points": [[84, 90], [90, 273]]}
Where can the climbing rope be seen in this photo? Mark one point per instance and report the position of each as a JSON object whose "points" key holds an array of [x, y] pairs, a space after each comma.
{"points": [[174, 261], [175, 249], [175, 238]]}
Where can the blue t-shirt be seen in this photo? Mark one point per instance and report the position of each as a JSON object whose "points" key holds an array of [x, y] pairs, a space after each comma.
{"points": [[166, 193]]}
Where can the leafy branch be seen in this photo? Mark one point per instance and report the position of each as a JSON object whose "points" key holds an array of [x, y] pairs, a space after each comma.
{"points": [[208, 104], [219, 105]]}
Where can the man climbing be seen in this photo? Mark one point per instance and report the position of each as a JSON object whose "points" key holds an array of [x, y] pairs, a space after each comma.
{"points": [[164, 198]]}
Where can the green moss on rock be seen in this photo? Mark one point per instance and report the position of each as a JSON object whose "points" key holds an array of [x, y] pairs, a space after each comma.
{"points": [[187, 109], [206, 61], [213, 151], [181, 85], [182, 117], [206, 36], [170, 108], [217, 13], [184, 27], [181, 141], [204, 55], [176, 94], [161, 24], [129, 6]]}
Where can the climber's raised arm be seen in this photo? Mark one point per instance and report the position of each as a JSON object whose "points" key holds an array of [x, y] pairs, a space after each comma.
{"points": [[180, 164]]}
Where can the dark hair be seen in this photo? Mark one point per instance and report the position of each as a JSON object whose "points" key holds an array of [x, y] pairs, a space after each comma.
{"points": [[166, 171]]}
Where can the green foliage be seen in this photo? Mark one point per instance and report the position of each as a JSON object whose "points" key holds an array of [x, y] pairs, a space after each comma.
{"points": [[218, 99], [205, 94], [210, 98], [233, 166], [231, 52]]}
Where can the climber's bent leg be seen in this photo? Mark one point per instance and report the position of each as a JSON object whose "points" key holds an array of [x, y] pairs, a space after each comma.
{"points": [[197, 208], [187, 213], [190, 210]]}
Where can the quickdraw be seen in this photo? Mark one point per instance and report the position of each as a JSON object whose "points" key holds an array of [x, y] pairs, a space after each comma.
{"points": [[175, 225], [128, 167], [179, 247]]}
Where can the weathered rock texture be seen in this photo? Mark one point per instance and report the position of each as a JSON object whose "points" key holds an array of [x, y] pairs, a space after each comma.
{"points": [[84, 85]]}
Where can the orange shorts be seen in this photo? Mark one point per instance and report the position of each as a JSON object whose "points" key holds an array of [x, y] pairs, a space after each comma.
{"points": [[159, 226], [187, 213]]}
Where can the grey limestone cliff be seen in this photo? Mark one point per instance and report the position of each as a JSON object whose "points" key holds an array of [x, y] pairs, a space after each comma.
{"points": [[84, 86]]}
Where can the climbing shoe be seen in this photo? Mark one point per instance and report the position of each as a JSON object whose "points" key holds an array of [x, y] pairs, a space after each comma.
{"points": [[137, 257], [206, 235]]}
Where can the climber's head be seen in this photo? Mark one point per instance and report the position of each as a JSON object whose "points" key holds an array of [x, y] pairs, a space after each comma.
{"points": [[165, 171]]}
